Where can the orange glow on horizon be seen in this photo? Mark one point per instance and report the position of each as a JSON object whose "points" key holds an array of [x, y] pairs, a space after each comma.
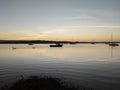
{"points": [[67, 38]]}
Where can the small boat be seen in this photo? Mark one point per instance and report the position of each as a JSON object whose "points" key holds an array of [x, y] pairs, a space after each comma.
{"points": [[113, 43], [56, 45], [13, 48], [30, 44]]}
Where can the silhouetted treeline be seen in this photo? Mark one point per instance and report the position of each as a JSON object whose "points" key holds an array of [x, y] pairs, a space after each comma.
{"points": [[29, 41], [45, 42]]}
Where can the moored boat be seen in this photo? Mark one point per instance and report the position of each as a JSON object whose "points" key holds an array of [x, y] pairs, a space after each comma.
{"points": [[113, 43], [30, 44], [13, 48], [56, 45]]}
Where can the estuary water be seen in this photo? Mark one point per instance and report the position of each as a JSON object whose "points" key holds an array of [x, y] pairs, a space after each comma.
{"points": [[91, 65]]}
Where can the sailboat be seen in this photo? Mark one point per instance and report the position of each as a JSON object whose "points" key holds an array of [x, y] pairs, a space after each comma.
{"points": [[113, 43], [56, 45]]}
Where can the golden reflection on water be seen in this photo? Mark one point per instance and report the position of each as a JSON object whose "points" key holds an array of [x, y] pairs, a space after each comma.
{"points": [[22, 52], [84, 63], [73, 53]]}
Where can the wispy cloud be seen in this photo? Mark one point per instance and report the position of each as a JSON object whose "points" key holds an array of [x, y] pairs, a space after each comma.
{"points": [[59, 32], [22, 35], [65, 29], [96, 12], [94, 26], [78, 17]]}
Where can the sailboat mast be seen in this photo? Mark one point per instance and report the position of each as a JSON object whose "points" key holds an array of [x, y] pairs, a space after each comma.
{"points": [[112, 43], [111, 38]]}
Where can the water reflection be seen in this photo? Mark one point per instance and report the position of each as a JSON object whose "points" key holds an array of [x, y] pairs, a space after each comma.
{"points": [[79, 52], [95, 66]]}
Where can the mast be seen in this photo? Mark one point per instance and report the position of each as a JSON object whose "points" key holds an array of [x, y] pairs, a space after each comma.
{"points": [[113, 43], [111, 38]]}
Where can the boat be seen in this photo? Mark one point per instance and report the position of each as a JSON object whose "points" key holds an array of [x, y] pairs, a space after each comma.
{"points": [[30, 44], [56, 45], [13, 48], [113, 43]]}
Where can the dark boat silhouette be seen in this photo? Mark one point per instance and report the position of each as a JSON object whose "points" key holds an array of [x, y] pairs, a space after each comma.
{"points": [[56, 45], [13, 48], [113, 43], [30, 44]]}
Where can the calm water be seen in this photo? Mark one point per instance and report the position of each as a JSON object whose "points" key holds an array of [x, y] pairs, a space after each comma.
{"points": [[95, 66]]}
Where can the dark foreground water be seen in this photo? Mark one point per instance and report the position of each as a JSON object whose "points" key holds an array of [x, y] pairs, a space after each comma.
{"points": [[93, 66]]}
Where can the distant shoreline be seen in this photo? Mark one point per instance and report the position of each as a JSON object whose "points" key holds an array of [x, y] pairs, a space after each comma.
{"points": [[46, 42]]}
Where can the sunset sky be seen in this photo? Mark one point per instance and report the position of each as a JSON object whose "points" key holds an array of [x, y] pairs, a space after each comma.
{"points": [[77, 20]]}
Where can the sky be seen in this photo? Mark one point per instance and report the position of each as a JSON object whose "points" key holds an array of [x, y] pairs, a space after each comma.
{"points": [[71, 20]]}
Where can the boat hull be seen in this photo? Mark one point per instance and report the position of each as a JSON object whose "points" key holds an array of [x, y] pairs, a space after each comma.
{"points": [[56, 45], [113, 44]]}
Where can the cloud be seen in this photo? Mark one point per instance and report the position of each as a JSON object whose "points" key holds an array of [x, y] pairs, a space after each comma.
{"points": [[78, 17], [70, 29], [59, 32], [96, 12], [95, 26]]}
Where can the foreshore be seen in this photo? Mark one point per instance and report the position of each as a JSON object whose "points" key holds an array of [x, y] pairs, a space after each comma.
{"points": [[42, 83]]}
